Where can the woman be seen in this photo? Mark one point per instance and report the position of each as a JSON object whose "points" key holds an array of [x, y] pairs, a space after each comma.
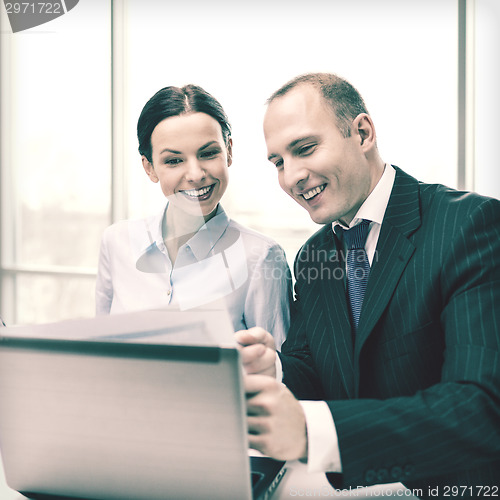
{"points": [[191, 254]]}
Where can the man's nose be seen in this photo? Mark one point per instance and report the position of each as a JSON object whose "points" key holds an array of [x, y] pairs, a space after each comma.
{"points": [[295, 173]]}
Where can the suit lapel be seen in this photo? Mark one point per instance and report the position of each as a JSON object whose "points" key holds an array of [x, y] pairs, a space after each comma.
{"points": [[337, 313], [393, 252]]}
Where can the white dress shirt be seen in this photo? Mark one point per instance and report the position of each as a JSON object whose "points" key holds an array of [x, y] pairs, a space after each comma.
{"points": [[222, 261], [323, 450]]}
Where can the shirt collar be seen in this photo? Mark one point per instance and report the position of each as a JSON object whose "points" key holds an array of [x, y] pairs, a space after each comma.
{"points": [[373, 208], [203, 241]]}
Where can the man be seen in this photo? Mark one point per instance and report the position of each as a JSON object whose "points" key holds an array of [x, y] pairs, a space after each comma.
{"points": [[407, 388]]}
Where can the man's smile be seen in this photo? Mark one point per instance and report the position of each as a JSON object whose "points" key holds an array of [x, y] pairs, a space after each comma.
{"points": [[308, 195]]}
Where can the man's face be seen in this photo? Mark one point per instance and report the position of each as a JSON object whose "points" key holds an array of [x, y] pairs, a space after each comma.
{"points": [[326, 173]]}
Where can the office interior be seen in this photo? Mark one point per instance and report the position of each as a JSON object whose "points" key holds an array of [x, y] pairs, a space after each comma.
{"points": [[72, 90]]}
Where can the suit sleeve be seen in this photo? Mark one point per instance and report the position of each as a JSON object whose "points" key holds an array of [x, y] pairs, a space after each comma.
{"points": [[299, 372], [455, 423]]}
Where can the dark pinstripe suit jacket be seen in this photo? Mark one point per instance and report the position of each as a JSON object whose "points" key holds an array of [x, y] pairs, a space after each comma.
{"points": [[417, 397]]}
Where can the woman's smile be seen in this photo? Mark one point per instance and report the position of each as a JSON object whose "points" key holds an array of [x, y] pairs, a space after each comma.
{"points": [[201, 194]]}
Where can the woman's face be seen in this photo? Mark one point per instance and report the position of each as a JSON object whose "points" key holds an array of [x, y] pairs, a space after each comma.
{"points": [[190, 161]]}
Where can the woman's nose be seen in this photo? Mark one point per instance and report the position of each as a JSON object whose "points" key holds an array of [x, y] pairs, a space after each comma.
{"points": [[195, 172]]}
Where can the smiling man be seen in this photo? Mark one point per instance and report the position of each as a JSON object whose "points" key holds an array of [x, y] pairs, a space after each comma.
{"points": [[328, 171], [394, 345]]}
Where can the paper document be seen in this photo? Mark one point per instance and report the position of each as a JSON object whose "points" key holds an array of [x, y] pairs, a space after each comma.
{"points": [[207, 326]]}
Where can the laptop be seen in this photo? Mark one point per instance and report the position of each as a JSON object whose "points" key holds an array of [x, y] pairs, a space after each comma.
{"points": [[141, 406]]}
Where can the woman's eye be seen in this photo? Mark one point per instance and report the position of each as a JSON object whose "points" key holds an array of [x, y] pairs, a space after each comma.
{"points": [[210, 154], [172, 161], [278, 163]]}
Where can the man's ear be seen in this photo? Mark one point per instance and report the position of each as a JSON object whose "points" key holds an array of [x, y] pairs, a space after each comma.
{"points": [[364, 129], [229, 152], [149, 169]]}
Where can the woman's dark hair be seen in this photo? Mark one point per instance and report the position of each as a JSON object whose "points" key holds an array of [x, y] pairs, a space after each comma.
{"points": [[175, 101]]}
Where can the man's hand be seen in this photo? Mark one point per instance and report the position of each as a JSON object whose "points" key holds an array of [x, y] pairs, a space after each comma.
{"points": [[276, 421], [257, 350]]}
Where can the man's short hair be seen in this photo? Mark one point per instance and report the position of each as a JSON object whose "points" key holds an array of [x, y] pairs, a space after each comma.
{"points": [[344, 100]]}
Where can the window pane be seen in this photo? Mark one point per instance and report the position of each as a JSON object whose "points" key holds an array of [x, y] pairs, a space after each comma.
{"points": [[55, 160], [41, 299], [487, 83], [57, 132]]}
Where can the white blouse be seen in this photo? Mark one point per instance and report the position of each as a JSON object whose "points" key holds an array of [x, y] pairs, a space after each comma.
{"points": [[222, 261]]}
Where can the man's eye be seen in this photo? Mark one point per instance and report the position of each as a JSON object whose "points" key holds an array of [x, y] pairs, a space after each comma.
{"points": [[278, 163], [307, 149]]}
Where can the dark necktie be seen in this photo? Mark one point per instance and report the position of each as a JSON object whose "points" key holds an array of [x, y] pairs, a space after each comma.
{"points": [[358, 267]]}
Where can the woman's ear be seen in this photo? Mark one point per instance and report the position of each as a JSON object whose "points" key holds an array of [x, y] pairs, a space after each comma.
{"points": [[229, 152], [364, 128], [149, 169]]}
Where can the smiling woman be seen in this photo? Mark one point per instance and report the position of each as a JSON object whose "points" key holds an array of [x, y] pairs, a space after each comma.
{"points": [[191, 253], [188, 152]]}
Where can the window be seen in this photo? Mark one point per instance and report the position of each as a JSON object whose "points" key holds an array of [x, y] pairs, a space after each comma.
{"points": [[72, 91], [55, 163], [485, 177]]}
